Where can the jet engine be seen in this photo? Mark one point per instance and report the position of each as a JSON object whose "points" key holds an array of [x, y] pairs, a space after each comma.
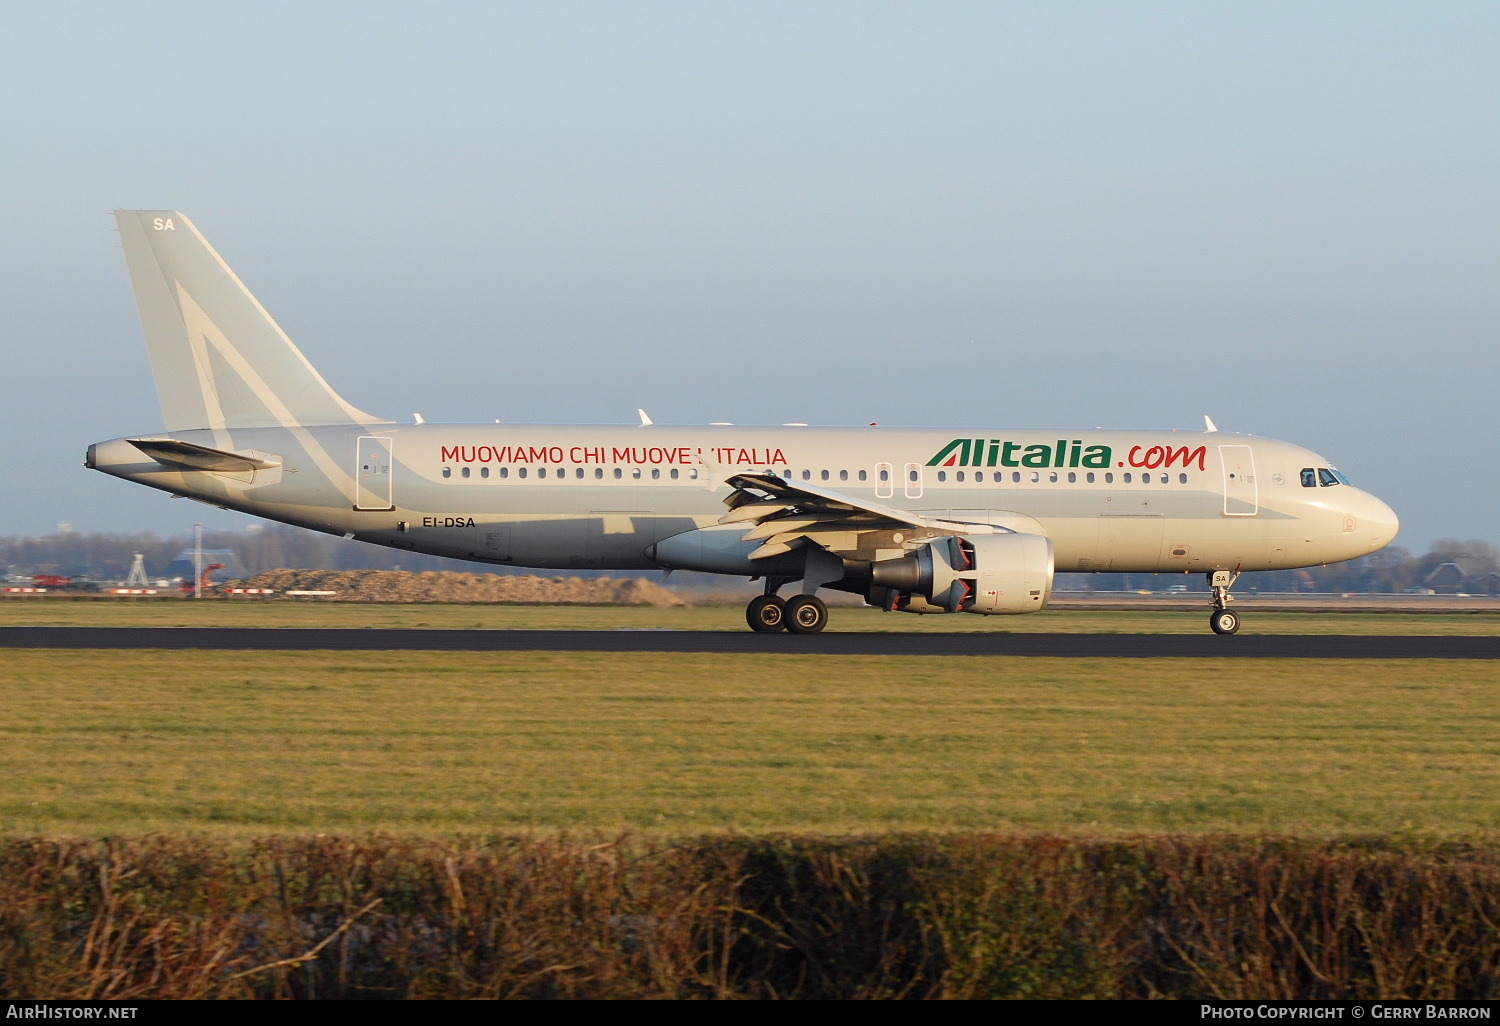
{"points": [[998, 573]]}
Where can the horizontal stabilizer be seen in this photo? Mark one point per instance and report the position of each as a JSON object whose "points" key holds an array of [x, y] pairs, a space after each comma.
{"points": [[169, 452]]}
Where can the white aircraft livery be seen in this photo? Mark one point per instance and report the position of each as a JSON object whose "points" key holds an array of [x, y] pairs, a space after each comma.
{"points": [[965, 520]]}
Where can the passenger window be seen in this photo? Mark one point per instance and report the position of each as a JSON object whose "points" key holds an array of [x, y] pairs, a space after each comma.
{"points": [[1182, 479], [979, 475], [674, 473], [1126, 478], [843, 475], [655, 473], [1035, 477], [1015, 476], [505, 472], [862, 475], [579, 474], [1326, 478], [484, 471], [807, 475], [1072, 477], [693, 474], [824, 475], [942, 475], [541, 471], [598, 473], [1052, 477], [521, 472], [447, 471], [1309, 478], [959, 476], [1090, 477], [635, 473], [619, 473], [885, 475], [465, 472]]}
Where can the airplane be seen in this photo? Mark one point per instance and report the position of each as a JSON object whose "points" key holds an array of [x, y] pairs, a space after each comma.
{"points": [[928, 521]]}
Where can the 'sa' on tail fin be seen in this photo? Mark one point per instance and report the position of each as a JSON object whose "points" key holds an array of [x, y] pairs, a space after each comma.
{"points": [[220, 360]]}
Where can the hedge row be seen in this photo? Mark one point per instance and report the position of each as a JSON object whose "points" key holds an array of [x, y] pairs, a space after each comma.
{"points": [[884, 917]]}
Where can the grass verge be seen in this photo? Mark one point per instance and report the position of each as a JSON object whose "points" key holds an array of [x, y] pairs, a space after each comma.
{"points": [[242, 744]]}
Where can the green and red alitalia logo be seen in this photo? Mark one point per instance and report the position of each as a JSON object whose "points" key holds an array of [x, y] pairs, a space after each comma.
{"points": [[997, 452]]}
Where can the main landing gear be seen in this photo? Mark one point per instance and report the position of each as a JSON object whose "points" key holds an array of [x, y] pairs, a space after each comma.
{"points": [[1223, 620], [766, 613], [800, 614]]}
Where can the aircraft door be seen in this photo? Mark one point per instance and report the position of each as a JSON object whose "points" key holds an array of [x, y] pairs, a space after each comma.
{"points": [[1241, 493], [372, 474]]}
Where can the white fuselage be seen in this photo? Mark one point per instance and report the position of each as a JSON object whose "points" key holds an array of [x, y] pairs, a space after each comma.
{"points": [[602, 497]]}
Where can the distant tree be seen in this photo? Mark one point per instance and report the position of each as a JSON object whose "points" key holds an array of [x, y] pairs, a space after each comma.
{"points": [[107, 557], [272, 546]]}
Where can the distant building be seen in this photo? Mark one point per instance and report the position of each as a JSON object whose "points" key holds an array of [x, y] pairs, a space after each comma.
{"points": [[1463, 575]]}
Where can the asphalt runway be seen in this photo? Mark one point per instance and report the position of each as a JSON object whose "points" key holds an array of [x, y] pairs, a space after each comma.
{"points": [[1134, 646]]}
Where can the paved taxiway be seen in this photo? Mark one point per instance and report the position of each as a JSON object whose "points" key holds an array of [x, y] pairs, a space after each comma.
{"points": [[1139, 646]]}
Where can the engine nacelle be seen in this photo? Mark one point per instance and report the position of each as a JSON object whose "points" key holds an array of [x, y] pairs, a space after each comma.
{"points": [[995, 573]]}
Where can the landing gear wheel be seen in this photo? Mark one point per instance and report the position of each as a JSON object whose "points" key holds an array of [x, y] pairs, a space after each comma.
{"points": [[766, 613], [806, 614], [1224, 621]]}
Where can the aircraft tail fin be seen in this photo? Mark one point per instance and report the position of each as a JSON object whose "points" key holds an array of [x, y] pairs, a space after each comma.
{"points": [[219, 359]]}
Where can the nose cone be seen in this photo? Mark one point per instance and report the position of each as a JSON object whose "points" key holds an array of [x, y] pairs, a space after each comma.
{"points": [[1375, 523]]}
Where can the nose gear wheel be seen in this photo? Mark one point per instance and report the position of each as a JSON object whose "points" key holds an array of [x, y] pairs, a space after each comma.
{"points": [[1223, 620]]}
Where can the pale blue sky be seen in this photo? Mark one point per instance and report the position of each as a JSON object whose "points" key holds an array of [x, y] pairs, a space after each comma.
{"points": [[1285, 215]]}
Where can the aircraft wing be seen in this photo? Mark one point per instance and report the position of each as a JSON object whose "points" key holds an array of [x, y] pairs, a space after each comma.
{"points": [[787, 514], [169, 452]]}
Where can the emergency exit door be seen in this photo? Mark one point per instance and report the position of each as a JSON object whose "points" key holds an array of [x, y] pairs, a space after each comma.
{"points": [[1241, 493], [372, 474]]}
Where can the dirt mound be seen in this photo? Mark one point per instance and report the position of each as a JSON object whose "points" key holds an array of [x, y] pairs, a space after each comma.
{"points": [[440, 586]]}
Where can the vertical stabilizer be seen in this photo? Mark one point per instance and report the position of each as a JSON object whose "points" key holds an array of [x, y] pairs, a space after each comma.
{"points": [[220, 360]]}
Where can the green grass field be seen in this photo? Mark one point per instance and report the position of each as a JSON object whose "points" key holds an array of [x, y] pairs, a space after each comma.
{"points": [[241, 744], [281, 613]]}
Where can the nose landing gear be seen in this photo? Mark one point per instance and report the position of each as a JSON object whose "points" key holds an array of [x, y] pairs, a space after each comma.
{"points": [[1223, 620]]}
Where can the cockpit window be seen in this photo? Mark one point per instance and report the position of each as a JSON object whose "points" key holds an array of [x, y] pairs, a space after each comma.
{"points": [[1328, 478], [1309, 477]]}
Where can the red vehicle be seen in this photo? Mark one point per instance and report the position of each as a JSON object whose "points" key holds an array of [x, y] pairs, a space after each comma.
{"points": [[203, 582]]}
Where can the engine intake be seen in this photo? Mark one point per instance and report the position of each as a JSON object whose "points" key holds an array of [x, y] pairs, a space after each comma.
{"points": [[999, 573]]}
